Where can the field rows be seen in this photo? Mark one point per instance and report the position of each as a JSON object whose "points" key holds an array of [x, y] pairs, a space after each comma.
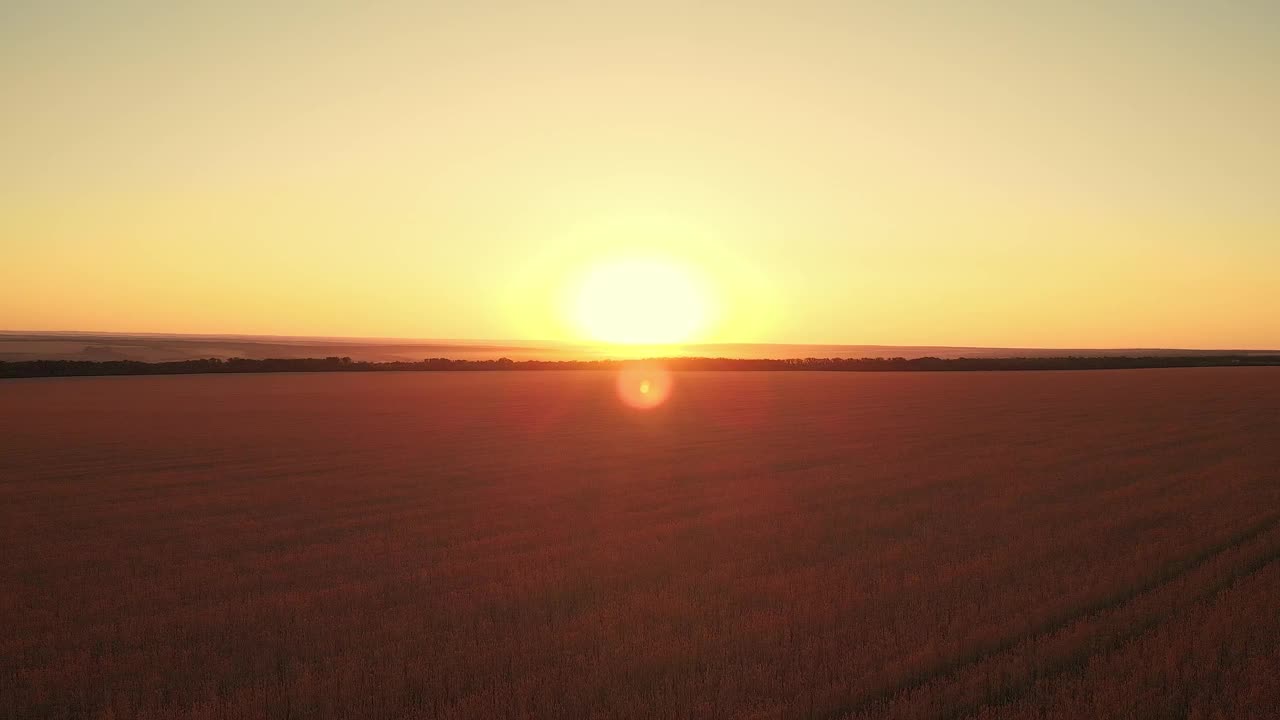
{"points": [[963, 688]]}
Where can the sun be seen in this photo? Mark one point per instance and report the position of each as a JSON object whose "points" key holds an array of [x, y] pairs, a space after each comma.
{"points": [[641, 301]]}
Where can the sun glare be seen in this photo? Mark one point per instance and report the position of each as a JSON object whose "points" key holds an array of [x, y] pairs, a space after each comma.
{"points": [[640, 301]]}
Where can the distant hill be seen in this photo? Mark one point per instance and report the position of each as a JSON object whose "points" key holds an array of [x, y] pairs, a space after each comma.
{"points": [[768, 350], [149, 347], [154, 347]]}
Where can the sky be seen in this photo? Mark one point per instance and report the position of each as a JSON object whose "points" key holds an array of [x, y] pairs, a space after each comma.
{"points": [[1048, 174]]}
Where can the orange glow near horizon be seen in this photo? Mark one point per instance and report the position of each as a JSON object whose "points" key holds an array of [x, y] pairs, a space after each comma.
{"points": [[1054, 175]]}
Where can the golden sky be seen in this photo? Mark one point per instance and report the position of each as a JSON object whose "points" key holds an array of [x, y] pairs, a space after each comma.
{"points": [[826, 172]]}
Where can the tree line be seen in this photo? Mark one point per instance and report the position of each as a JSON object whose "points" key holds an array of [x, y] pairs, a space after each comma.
{"points": [[66, 368]]}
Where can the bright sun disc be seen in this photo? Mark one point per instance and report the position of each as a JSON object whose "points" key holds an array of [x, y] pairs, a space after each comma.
{"points": [[640, 301]]}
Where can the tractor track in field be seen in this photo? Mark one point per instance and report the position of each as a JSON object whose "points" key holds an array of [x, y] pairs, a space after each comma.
{"points": [[1077, 662], [878, 702]]}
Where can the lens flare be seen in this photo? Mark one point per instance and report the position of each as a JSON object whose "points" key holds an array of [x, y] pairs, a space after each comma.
{"points": [[644, 386]]}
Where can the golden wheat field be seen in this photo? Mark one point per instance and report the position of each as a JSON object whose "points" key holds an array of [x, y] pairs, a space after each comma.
{"points": [[523, 545]]}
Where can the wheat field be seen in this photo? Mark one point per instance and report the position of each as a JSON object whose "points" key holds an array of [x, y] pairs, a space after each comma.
{"points": [[523, 545]]}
